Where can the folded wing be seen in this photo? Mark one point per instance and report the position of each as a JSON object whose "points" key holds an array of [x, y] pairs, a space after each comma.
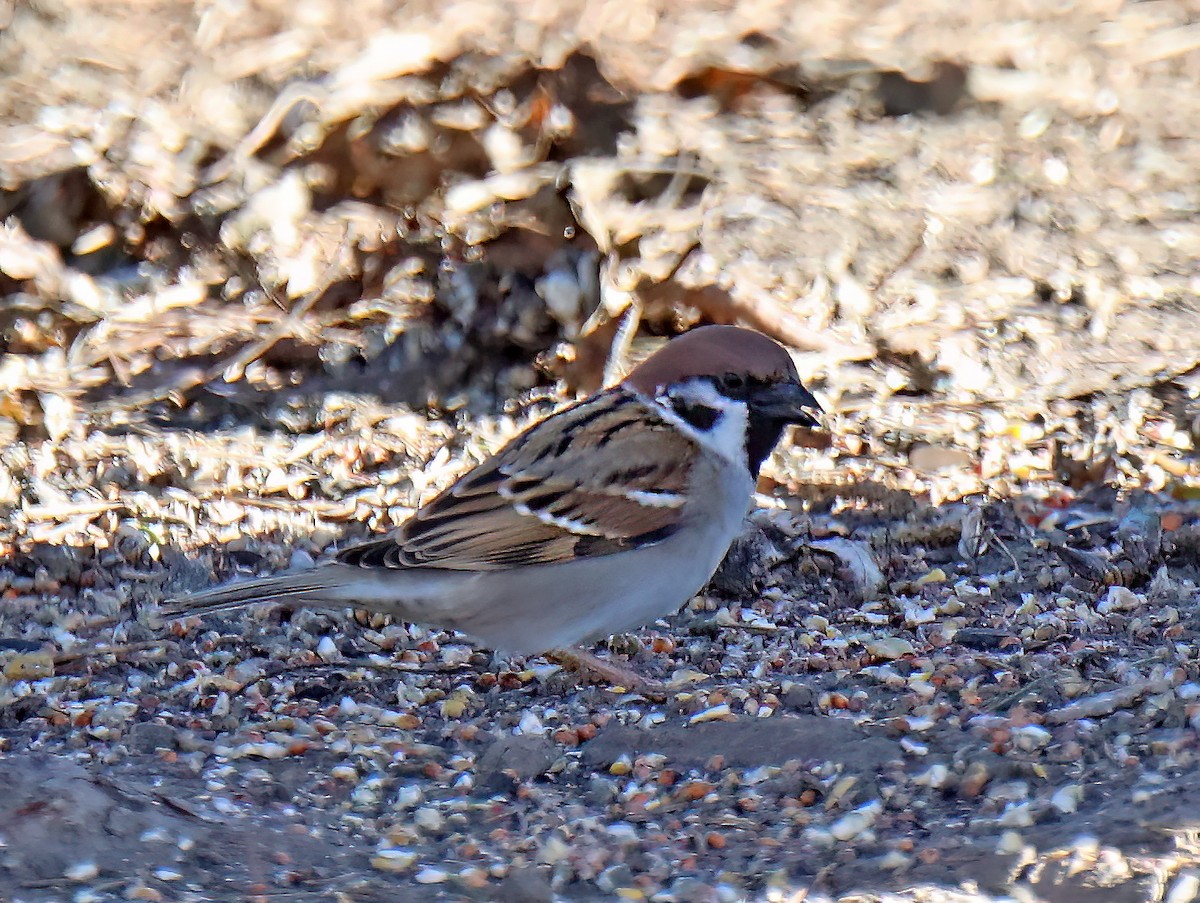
{"points": [[606, 475]]}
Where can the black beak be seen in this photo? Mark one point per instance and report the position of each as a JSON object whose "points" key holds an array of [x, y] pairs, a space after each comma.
{"points": [[787, 402]]}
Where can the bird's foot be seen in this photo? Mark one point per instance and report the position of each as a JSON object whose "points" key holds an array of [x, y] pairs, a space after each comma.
{"points": [[589, 665]]}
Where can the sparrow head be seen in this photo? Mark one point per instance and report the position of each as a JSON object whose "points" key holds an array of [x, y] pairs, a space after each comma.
{"points": [[733, 384]]}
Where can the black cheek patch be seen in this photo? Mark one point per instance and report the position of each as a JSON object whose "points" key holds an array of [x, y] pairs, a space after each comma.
{"points": [[701, 416]]}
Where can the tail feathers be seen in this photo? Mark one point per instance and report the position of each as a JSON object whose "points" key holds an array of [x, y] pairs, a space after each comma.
{"points": [[307, 588]]}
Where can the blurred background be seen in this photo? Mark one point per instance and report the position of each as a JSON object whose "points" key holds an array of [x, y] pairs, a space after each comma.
{"points": [[974, 222], [273, 272]]}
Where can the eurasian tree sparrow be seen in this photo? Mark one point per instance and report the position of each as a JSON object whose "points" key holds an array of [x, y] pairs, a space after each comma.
{"points": [[604, 516]]}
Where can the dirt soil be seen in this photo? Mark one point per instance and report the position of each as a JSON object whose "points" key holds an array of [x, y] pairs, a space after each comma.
{"points": [[273, 273]]}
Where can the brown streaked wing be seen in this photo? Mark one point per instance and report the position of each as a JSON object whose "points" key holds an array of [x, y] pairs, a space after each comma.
{"points": [[605, 475]]}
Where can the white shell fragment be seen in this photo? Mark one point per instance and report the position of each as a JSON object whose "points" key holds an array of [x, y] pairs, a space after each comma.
{"points": [[858, 560]]}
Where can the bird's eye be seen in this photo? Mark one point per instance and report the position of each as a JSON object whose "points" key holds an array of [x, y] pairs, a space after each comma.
{"points": [[733, 382]]}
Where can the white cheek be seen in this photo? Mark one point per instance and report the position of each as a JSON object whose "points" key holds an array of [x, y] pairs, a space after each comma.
{"points": [[728, 435]]}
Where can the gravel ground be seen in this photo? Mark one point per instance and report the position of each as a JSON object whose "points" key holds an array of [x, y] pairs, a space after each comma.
{"points": [[271, 274]]}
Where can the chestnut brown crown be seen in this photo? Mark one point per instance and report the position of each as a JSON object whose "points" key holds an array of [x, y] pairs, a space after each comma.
{"points": [[714, 351]]}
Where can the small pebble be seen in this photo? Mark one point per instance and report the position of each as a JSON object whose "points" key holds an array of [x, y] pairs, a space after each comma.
{"points": [[530, 724], [327, 649], [621, 767], [393, 859], [430, 875], [1031, 737], [141, 891], [409, 796], [895, 861], [935, 777], [720, 712], [82, 871], [429, 818], [1066, 799], [852, 824], [890, 648], [554, 850], [913, 747], [29, 666], [1184, 889], [1018, 815], [1010, 843]]}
